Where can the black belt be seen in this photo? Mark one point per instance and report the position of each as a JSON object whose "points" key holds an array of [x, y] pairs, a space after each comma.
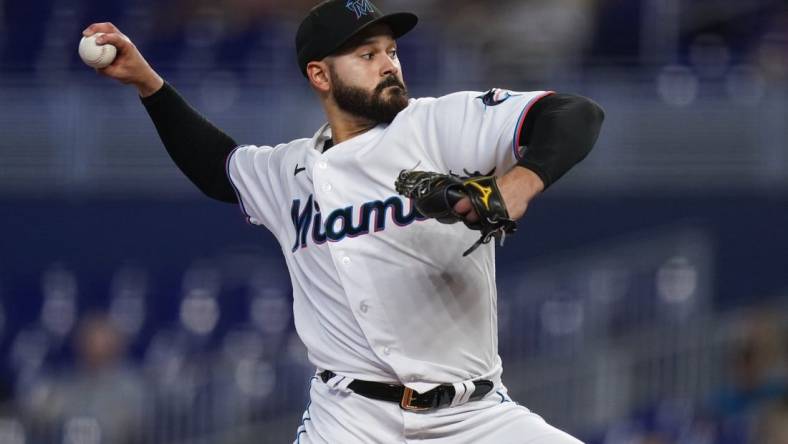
{"points": [[408, 399]]}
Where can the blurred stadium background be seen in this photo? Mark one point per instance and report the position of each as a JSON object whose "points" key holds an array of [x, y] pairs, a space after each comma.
{"points": [[644, 300]]}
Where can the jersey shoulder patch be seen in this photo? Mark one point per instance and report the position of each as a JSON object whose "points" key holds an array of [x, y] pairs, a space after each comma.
{"points": [[496, 96]]}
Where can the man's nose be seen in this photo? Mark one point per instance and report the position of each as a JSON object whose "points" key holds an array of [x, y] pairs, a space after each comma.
{"points": [[389, 68]]}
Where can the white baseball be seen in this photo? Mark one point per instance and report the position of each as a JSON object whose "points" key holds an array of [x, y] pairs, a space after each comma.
{"points": [[96, 56]]}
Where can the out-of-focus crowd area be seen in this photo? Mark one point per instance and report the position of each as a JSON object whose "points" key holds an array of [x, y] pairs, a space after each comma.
{"points": [[644, 299], [515, 40]]}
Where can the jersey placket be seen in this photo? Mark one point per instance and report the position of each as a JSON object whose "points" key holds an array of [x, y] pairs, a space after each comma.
{"points": [[331, 193]]}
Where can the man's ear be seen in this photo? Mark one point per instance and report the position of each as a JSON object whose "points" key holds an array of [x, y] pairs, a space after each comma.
{"points": [[317, 73]]}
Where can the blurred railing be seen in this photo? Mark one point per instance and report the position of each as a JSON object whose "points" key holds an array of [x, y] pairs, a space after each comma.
{"points": [[596, 387], [586, 391], [84, 136], [586, 337]]}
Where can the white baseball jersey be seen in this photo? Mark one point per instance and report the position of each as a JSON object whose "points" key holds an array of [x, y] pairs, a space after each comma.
{"points": [[380, 292]]}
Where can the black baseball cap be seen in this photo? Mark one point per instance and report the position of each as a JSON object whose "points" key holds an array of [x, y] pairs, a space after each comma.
{"points": [[332, 23]]}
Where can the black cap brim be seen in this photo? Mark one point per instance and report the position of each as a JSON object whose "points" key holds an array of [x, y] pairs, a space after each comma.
{"points": [[401, 23]]}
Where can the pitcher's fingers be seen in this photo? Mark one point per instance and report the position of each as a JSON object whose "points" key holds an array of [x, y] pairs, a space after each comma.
{"points": [[99, 27], [115, 39], [106, 71], [463, 207]]}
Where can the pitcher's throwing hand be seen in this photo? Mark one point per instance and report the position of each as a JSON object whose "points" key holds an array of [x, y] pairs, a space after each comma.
{"points": [[129, 66]]}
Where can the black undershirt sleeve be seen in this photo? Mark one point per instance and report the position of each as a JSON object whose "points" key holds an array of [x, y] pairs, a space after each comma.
{"points": [[198, 148], [559, 131]]}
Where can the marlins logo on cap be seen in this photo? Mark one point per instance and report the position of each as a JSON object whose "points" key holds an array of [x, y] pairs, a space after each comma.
{"points": [[360, 7]]}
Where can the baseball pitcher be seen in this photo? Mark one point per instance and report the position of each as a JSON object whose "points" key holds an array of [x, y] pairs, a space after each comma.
{"points": [[387, 218]]}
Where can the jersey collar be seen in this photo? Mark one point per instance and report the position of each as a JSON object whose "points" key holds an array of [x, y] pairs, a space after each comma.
{"points": [[320, 137], [324, 133]]}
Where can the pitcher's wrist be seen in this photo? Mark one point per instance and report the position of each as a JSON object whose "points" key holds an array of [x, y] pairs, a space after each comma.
{"points": [[150, 85]]}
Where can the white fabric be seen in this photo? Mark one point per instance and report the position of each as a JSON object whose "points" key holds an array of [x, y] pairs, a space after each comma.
{"points": [[379, 294], [462, 392], [340, 383]]}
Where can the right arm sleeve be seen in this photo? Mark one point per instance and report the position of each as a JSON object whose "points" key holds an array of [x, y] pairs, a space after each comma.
{"points": [[197, 147]]}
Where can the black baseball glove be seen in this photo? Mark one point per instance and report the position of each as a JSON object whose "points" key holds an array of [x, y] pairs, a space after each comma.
{"points": [[435, 195]]}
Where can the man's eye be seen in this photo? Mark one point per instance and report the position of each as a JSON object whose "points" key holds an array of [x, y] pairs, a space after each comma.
{"points": [[393, 54], [367, 56]]}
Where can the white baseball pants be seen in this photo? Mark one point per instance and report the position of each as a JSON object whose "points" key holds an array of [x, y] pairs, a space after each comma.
{"points": [[339, 416]]}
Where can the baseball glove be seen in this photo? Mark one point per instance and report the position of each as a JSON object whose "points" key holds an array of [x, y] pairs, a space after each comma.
{"points": [[435, 194]]}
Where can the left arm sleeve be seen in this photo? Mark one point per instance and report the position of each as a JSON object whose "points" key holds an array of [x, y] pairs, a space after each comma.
{"points": [[558, 132]]}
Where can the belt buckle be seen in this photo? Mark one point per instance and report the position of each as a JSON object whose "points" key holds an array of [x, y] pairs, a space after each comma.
{"points": [[407, 398]]}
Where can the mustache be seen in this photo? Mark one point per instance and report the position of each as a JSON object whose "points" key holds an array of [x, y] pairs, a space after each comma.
{"points": [[390, 81]]}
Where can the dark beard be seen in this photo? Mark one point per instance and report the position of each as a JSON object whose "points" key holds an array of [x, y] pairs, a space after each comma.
{"points": [[372, 106]]}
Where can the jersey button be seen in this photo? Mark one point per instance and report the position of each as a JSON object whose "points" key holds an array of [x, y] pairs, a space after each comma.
{"points": [[363, 307], [327, 187], [386, 351], [322, 164], [346, 260]]}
